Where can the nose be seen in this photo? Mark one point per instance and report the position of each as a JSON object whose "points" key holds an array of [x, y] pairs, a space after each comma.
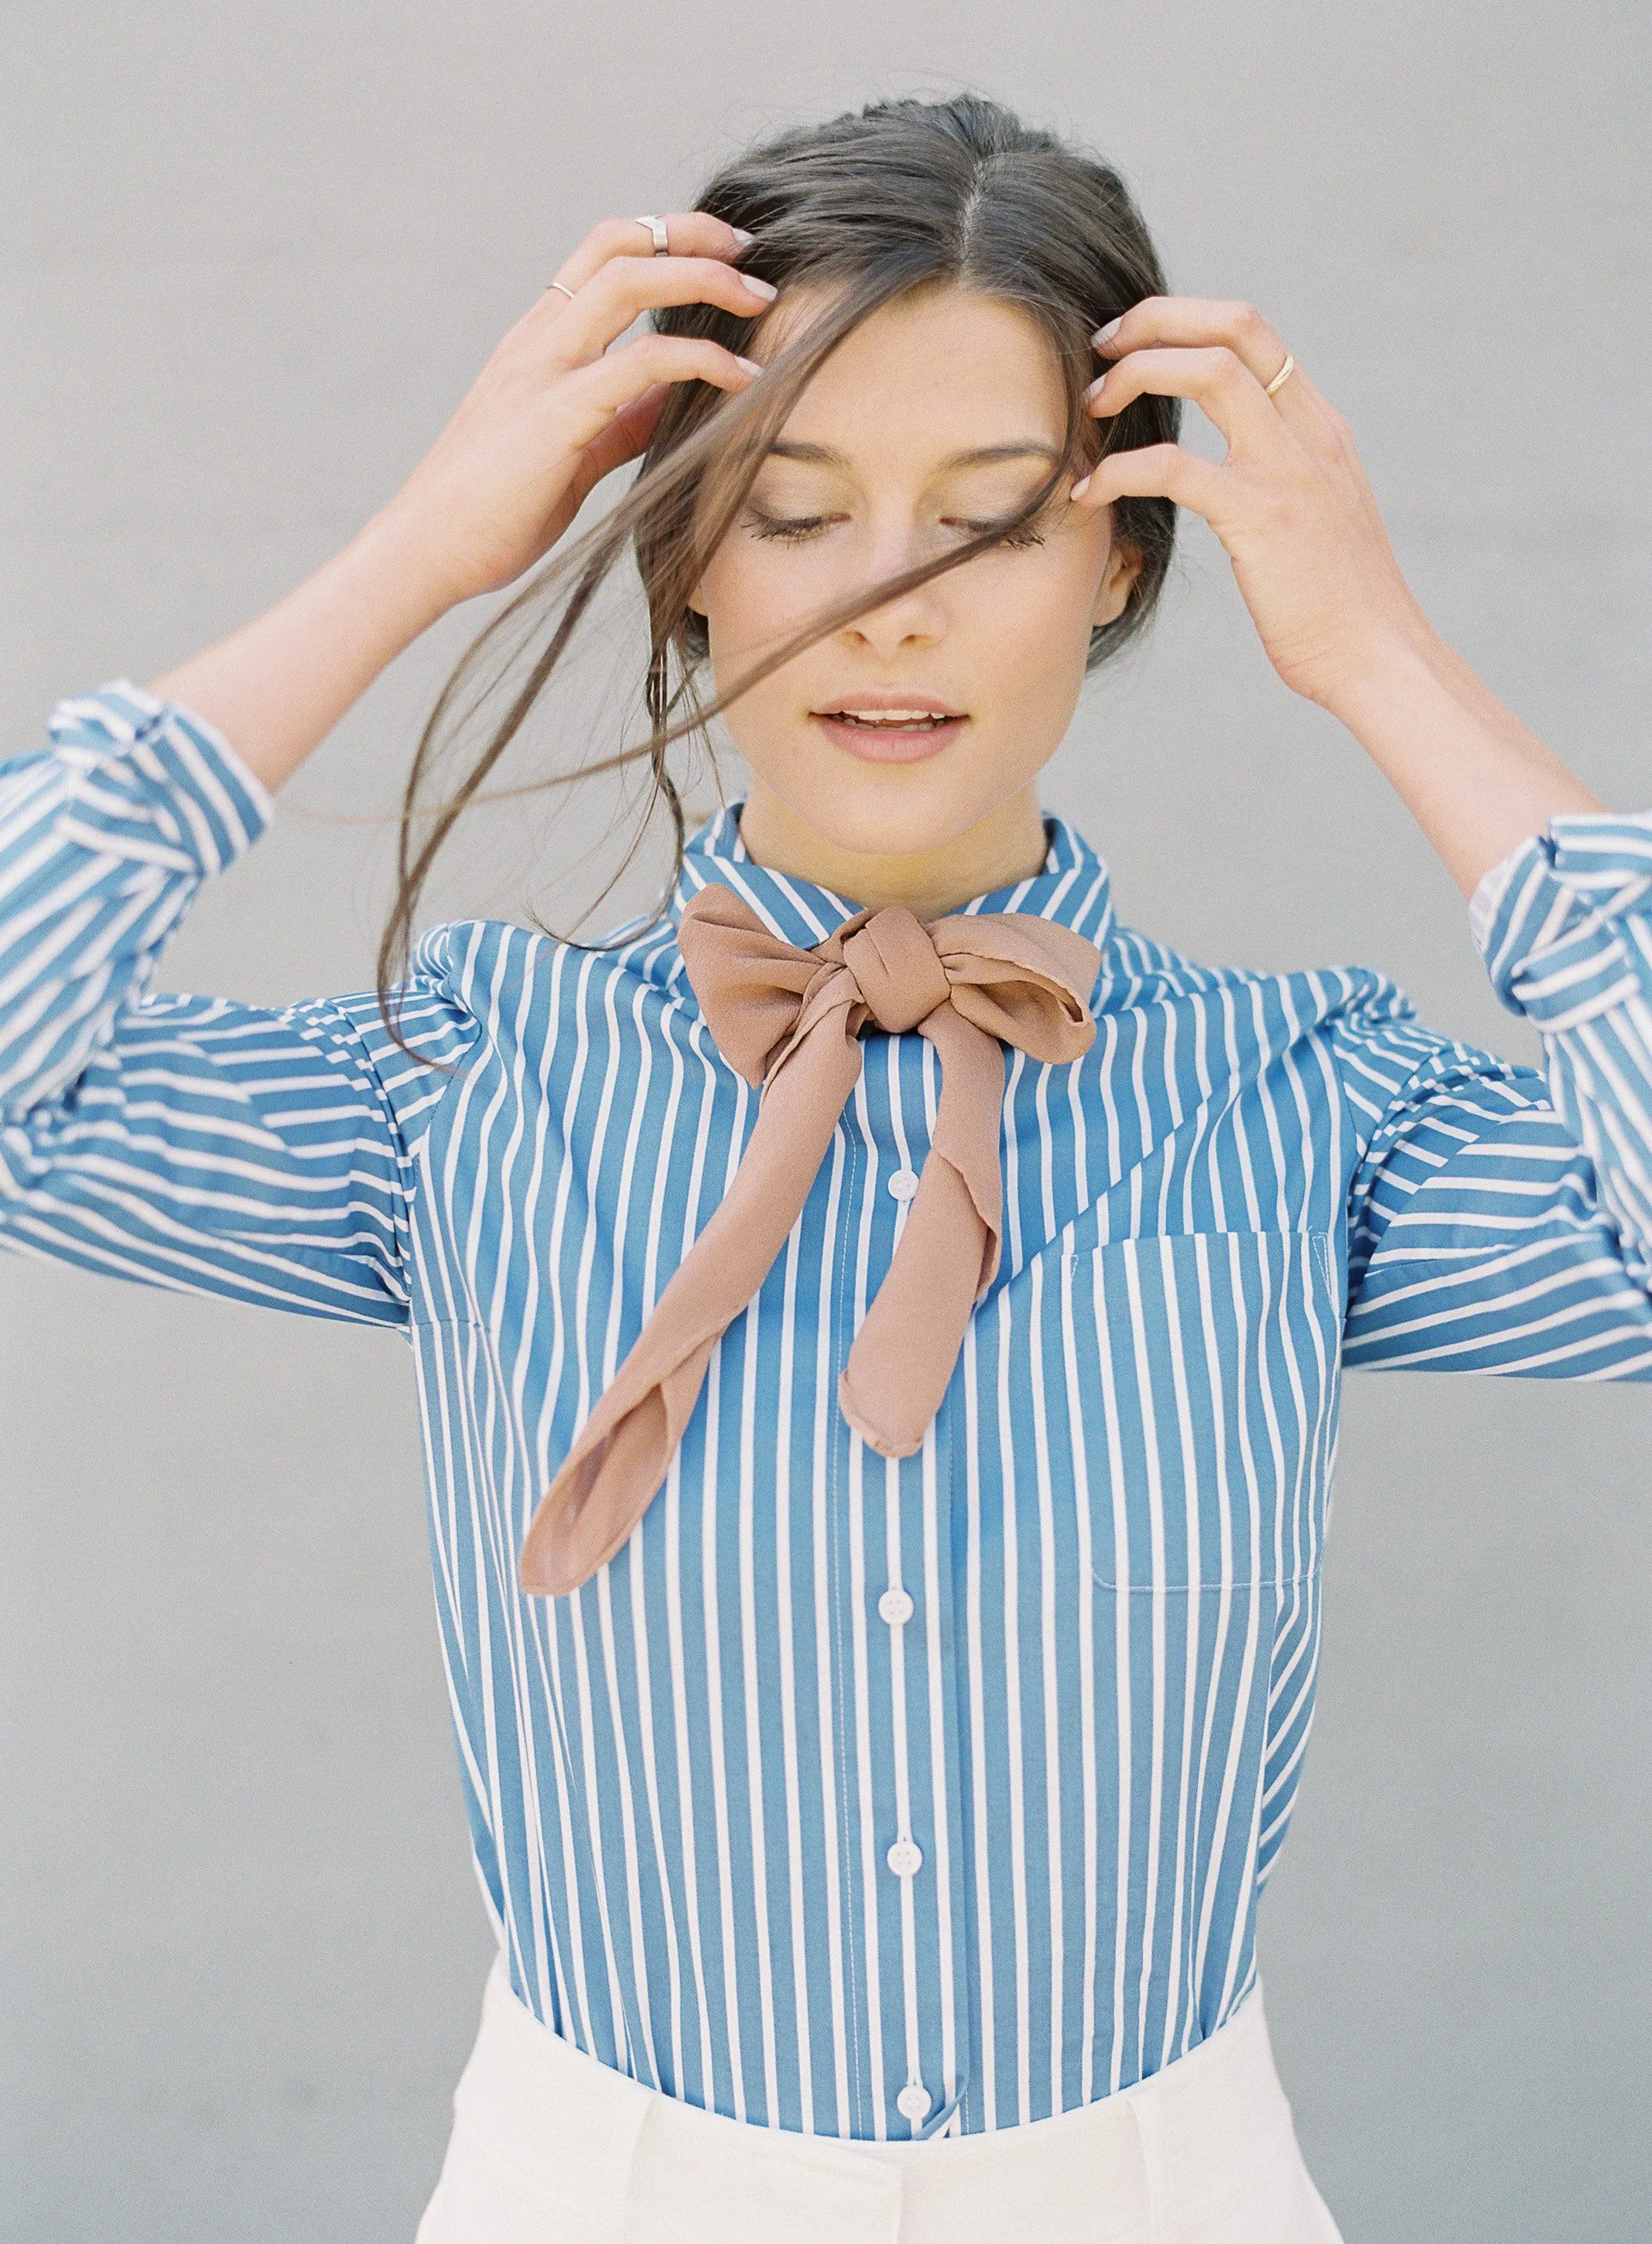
{"points": [[910, 619], [913, 618]]}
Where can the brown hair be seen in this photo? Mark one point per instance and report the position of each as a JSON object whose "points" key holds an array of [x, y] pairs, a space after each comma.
{"points": [[876, 203]]}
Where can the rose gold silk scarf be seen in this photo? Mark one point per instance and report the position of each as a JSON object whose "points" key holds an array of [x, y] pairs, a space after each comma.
{"points": [[790, 1020]]}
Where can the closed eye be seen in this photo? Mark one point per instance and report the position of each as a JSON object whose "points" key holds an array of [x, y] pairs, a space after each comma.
{"points": [[783, 525], [1025, 536], [795, 527]]}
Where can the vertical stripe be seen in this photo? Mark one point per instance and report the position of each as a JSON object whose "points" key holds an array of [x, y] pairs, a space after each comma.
{"points": [[682, 1781]]}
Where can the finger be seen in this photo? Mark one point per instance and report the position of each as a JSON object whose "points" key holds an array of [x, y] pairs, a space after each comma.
{"points": [[626, 437], [1158, 471], [614, 296], [1201, 321], [620, 377], [1214, 378], [631, 430], [690, 233], [1193, 322]]}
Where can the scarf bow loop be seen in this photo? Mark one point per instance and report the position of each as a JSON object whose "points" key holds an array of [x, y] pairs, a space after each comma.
{"points": [[790, 1021]]}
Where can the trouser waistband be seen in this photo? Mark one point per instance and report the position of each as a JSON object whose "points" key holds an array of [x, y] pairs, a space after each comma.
{"points": [[571, 2149]]}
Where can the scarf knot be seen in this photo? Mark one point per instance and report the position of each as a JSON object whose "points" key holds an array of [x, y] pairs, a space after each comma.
{"points": [[896, 968], [790, 1020]]}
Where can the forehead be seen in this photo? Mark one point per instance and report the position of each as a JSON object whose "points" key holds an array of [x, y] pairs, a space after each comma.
{"points": [[931, 374]]}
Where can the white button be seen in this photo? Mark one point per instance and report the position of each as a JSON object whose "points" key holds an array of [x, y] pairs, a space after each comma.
{"points": [[896, 1607], [905, 1858], [913, 2102], [903, 1183]]}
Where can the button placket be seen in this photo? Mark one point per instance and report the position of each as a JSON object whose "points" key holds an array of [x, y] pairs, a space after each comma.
{"points": [[901, 1184], [918, 1790]]}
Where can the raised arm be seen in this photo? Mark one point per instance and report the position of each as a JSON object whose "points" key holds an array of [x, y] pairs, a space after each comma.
{"points": [[554, 411], [195, 1143], [190, 1142], [1500, 1220]]}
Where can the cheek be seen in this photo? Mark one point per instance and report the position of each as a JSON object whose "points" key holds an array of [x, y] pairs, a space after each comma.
{"points": [[1029, 614], [751, 593], [750, 606]]}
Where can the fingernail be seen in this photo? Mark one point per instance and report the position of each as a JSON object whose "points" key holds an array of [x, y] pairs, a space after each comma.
{"points": [[1079, 487], [1106, 334], [741, 235], [750, 365], [764, 288], [1094, 390]]}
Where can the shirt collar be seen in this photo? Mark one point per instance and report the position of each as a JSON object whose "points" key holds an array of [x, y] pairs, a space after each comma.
{"points": [[1073, 886]]}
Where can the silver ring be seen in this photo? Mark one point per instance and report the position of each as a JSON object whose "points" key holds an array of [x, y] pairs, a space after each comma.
{"points": [[657, 228], [566, 291], [1281, 377]]}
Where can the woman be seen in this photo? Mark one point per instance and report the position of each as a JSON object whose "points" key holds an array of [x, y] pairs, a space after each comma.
{"points": [[878, 1320]]}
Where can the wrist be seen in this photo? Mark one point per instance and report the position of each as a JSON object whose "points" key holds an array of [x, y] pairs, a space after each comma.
{"points": [[1398, 662], [1477, 781], [397, 563]]}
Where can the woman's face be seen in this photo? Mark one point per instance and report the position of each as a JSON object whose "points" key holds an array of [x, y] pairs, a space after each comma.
{"points": [[937, 415]]}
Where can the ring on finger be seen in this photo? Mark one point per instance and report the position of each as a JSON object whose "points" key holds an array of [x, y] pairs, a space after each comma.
{"points": [[1281, 377], [566, 291], [657, 228]]}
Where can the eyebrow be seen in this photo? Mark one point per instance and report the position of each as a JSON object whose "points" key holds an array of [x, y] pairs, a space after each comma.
{"points": [[822, 455]]}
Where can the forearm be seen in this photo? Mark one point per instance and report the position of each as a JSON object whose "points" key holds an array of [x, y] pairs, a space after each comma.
{"points": [[550, 415], [276, 687], [1476, 779]]}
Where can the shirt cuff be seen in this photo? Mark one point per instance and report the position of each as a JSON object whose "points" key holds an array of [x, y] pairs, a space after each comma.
{"points": [[152, 773], [1564, 922]]}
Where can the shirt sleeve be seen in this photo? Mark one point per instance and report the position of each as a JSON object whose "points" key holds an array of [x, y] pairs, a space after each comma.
{"points": [[187, 1142], [1501, 1219]]}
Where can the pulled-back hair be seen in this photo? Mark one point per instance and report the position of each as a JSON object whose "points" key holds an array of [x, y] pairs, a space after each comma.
{"points": [[865, 208]]}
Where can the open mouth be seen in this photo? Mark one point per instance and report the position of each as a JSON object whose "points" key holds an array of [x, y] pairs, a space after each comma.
{"points": [[889, 736], [890, 720]]}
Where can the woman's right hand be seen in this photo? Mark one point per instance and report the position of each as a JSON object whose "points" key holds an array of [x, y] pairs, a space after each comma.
{"points": [[550, 413], [556, 409]]}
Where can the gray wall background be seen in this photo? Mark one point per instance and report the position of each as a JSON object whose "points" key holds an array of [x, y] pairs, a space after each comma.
{"points": [[251, 258]]}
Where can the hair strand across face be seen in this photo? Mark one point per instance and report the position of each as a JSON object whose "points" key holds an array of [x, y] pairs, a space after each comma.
{"points": [[860, 211]]}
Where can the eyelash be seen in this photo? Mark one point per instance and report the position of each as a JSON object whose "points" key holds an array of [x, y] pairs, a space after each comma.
{"points": [[795, 528]]}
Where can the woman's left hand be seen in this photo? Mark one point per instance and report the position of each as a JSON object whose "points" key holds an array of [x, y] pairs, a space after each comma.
{"points": [[1289, 503]]}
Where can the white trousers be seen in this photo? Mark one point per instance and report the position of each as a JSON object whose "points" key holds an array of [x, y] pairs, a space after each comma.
{"points": [[550, 2146]]}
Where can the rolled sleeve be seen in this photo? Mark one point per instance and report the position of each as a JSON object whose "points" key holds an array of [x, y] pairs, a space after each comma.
{"points": [[1564, 922]]}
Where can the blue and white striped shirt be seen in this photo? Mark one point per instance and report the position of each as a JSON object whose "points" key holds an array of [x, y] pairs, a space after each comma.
{"points": [[855, 1796]]}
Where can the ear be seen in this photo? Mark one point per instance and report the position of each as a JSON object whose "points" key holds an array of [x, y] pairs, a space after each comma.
{"points": [[1124, 566]]}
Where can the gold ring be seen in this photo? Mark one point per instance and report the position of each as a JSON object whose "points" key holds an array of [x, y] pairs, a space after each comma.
{"points": [[566, 291], [1283, 377]]}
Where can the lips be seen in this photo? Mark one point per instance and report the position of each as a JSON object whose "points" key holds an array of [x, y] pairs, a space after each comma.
{"points": [[892, 731]]}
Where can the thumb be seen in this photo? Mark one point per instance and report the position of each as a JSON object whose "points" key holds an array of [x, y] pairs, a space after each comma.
{"points": [[626, 436]]}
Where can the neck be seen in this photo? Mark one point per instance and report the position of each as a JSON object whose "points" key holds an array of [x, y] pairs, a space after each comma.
{"points": [[1008, 845]]}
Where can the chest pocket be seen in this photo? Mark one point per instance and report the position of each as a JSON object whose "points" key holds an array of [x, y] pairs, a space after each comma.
{"points": [[1201, 1398]]}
